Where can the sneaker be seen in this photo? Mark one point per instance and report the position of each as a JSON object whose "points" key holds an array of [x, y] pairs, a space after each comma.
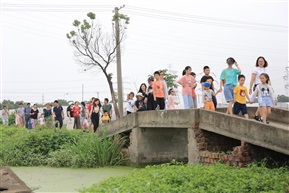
{"points": [[261, 120], [256, 117]]}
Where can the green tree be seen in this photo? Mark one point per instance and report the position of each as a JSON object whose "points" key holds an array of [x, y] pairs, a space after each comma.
{"points": [[96, 48], [169, 78], [283, 98]]}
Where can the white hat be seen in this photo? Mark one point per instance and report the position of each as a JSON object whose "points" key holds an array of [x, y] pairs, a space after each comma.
{"points": [[139, 94]]}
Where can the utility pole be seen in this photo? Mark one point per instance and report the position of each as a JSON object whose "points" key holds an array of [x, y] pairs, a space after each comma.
{"points": [[82, 88], [118, 63]]}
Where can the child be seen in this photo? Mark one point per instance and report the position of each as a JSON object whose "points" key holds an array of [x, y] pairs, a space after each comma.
{"points": [[265, 95], [194, 95], [5, 115], [171, 100], [240, 95], [41, 120], [188, 82], [144, 106], [139, 102], [105, 117], [210, 79], [130, 103], [208, 97], [159, 91]]}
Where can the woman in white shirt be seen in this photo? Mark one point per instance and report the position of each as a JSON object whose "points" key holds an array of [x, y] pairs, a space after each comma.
{"points": [[261, 67]]}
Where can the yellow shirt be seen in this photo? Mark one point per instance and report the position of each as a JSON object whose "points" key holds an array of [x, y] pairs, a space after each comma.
{"points": [[105, 118], [240, 93]]}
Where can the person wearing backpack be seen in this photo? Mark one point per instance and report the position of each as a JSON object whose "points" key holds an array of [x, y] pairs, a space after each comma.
{"points": [[229, 81]]}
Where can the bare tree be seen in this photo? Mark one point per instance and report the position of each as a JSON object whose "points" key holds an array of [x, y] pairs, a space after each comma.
{"points": [[96, 48]]}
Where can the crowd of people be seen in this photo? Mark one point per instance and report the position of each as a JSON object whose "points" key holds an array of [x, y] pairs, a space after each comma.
{"points": [[157, 96]]}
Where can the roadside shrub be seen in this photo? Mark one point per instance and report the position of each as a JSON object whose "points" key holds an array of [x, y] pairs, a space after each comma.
{"points": [[197, 178]]}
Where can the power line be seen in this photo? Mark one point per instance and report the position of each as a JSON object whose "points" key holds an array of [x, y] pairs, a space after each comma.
{"points": [[204, 17], [211, 23]]}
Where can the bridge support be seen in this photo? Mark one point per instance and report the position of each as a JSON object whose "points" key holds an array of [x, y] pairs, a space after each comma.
{"points": [[158, 145]]}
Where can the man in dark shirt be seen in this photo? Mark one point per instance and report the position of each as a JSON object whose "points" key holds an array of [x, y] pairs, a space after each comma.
{"points": [[27, 111], [210, 79], [58, 114], [106, 106]]}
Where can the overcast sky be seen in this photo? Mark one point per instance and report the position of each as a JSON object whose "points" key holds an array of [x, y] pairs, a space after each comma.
{"points": [[37, 59]]}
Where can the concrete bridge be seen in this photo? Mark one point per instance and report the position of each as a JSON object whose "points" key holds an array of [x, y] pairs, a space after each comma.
{"points": [[198, 135]]}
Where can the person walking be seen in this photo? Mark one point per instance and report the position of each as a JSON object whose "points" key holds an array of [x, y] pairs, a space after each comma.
{"points": [[20, 113], [240, 95], [194, 95], [58, 114], [208, 78], [27, 111], [260, 67], [106, 106], [171, 100], [34, 116], [188, 82], [130, 103], [83, 115], [94, 114], [229, 81], [159, 91], [266, 98], [5, 115], [76, 115], [207, 96], [151, 104]]}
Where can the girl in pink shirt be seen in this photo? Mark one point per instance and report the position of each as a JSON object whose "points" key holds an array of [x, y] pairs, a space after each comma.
{"points": [[171, 99], [188, 82]]}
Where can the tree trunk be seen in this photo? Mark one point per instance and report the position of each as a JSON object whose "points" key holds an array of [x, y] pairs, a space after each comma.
{"points": [[112, 95]]}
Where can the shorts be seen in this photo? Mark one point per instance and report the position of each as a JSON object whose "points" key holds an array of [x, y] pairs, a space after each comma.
{"points": [[209, 105], [266, 102], [229, 92], [240, 107], [22, 119]]}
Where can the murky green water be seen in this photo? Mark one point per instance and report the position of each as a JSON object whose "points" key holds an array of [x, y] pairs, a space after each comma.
{"points": [[46, 179]]}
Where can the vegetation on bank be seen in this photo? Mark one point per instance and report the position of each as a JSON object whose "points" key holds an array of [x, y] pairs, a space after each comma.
{"points": [[218, 178], [58, 148]]}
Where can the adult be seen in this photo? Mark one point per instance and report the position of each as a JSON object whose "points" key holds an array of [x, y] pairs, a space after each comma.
{"points": [[47, 111], [34, 116], [83, 113], [159, 91], [27, 111], [151, 104], [209, 79], [106, 106], [5, 115], [188, 82], [229, 80], [94, 114], [58, 114], [260, 67], [76, 115], [143, 89], [89, 107], [21, 115]]}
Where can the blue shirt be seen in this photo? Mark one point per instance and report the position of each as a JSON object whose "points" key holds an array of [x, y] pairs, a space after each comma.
{"points": [[27, 110], [230, 75]]}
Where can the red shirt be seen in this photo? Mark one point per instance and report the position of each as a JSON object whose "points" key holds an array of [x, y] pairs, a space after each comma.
{"points": [[89, 107], [76, 111]]}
